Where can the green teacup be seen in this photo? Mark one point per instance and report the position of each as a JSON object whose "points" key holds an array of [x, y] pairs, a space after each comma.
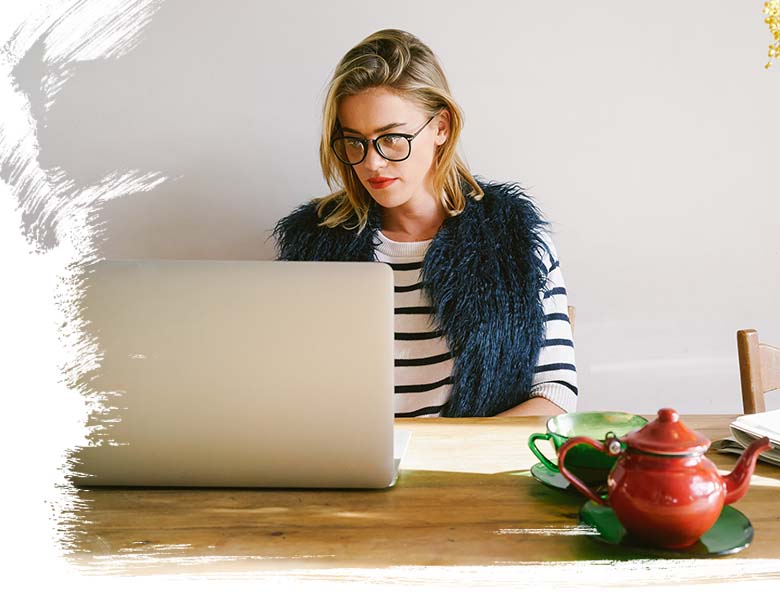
{"points": [[584, 460]]}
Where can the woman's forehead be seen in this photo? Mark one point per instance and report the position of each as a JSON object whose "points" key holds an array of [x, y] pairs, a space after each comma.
{"points": [[377, 110]]}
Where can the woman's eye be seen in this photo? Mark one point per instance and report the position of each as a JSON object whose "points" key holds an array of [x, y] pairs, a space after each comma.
{"points": [[393, 139], [355, 144]]}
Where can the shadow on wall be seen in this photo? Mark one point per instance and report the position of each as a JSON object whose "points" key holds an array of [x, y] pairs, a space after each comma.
{"points": [[198, 102]]}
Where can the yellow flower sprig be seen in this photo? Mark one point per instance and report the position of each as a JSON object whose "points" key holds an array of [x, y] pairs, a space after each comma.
{"points": [[772, 11]]}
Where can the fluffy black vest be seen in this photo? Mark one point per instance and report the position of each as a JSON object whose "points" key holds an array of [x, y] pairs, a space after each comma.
{"points": [[483, 273]]}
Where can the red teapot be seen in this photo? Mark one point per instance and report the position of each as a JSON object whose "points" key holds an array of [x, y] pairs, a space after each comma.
{"points": [[662, 488]]}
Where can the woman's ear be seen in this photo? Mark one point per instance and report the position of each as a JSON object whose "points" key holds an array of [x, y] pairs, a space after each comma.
{"points": [[442, 127]]}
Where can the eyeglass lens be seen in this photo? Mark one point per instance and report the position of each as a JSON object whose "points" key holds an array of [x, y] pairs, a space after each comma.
{"points": [[391, 147]]}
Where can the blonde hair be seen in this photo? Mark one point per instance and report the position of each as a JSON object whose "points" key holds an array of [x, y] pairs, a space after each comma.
{"points": [[399, 61]]}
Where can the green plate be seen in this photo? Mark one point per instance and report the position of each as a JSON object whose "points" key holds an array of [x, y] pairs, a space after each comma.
{"points": [[731, 533], [550, 478], [555, 480]]}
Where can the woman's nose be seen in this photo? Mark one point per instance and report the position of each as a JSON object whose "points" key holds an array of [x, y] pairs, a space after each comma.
{"points": [[373, 159]]}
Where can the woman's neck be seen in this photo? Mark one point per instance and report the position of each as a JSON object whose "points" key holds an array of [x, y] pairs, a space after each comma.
{"points": [[413, 223]]}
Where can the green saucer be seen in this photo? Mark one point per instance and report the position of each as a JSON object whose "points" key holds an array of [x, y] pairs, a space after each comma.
{"points": [[555, 480], [550, 478], [731, 533]]}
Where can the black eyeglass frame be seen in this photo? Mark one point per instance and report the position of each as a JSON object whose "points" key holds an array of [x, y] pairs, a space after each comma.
{"points": [[375, 141]]}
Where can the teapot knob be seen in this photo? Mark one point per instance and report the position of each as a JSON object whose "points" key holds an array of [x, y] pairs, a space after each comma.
{"points": [[668, 415]]}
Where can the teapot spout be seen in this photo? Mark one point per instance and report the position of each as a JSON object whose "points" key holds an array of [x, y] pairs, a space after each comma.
{"points": [[738, 480]]}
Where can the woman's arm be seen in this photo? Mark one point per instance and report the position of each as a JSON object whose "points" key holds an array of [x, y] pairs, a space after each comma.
{"points": [[555, 376], [533, 406]]}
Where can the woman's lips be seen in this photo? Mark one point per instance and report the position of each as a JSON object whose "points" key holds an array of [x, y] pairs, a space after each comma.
{"points": [[380, 182]]}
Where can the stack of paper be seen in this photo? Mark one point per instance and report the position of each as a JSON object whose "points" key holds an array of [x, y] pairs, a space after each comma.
{"points": [[748, 428]]}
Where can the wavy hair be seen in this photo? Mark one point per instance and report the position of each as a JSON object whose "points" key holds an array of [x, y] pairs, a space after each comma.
{"points": [[399, 61]]}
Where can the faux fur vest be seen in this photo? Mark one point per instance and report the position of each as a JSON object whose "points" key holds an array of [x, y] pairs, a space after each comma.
{"points": [[483, 273]]}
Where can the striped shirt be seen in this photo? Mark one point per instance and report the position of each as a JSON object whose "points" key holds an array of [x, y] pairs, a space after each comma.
{"points": [[423, 362]]}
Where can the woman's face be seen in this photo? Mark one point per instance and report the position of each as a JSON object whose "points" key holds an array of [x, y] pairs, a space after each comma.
{"points": [[378, 111]]}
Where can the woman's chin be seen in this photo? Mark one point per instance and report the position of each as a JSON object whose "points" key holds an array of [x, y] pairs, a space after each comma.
{"points": [[388, 203], [385, 199]]}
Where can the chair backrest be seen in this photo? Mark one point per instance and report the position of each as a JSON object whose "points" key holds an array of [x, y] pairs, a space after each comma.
{"points": [[759, 370]]}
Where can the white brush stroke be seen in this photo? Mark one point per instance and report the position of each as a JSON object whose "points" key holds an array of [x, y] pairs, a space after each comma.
{"points": [[548, 531], [43, 351], [43, 418]]}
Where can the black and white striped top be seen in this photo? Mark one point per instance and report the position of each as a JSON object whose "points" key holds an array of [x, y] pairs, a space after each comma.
{"points": [[423, 363]]}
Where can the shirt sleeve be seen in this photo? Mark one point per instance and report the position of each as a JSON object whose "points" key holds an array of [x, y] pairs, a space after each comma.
{"points": [[555, 375]]}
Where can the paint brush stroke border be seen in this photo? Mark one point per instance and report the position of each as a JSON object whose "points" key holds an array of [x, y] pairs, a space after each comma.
{"points": [[44, 352]]}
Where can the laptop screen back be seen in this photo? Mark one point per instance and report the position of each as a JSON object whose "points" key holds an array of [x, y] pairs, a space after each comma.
{"points": [[241, 373]]}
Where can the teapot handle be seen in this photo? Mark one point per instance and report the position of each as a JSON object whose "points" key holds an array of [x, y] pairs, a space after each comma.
{"points": [[581, 487]]}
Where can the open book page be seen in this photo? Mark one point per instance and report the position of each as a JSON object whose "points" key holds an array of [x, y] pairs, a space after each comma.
{"points": [[401, 439], [748, 428], [760, 425], [745, 439], [727, 446]]}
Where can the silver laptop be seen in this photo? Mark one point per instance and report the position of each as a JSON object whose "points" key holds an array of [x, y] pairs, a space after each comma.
{"points": [[241, 374]]}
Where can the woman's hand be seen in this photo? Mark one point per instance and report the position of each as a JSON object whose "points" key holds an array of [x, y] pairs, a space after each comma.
{"points": [[533, 407]]}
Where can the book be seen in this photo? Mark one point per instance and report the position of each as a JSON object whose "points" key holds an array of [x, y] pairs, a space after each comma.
{"points": [[747, 429]]}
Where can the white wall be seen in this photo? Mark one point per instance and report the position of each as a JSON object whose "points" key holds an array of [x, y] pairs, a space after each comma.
{"points": [[647, 132]]}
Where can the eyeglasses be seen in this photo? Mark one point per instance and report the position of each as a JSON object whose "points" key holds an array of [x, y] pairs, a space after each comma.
{"points": [[391, 146]]}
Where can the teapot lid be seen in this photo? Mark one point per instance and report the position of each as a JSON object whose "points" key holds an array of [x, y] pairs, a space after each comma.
{"points": [[667, 435]]}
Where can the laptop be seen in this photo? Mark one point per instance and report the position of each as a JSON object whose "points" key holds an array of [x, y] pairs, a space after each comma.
{"points": [[240, 374]]}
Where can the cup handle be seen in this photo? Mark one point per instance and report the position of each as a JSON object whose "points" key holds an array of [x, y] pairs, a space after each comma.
{"points": [[581, 487], [538, 453]]}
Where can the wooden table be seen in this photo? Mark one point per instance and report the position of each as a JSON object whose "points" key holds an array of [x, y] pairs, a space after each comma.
{"points": [[465, 506]]}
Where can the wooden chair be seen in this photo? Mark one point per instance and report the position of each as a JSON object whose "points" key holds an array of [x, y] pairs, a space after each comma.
{"points": [[759, 370]]}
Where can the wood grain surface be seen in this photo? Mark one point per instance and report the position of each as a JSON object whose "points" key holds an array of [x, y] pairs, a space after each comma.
{"points": [[465, 497]]}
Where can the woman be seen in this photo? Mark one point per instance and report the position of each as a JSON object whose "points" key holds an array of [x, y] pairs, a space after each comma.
{"points": [[481, 323]]}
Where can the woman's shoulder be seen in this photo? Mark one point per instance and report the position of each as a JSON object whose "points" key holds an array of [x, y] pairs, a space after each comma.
{"points": [[509, 200], [506, 195], [305, 218], [305, 234], [514, 219], [296, 231], [301, 214]]}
